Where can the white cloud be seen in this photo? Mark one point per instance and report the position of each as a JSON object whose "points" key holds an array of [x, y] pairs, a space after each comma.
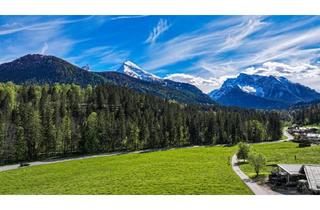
{"points": [[238, 34], [302, 70], [293, 47], [206, 85], [37, 41], [20, 27], [105, 55], [159, 29], [304, 73], [288, 49], [128, 17], [205, 42], [44, 48]]}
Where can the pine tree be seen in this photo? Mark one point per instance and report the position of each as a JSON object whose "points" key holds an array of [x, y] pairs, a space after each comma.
{"points": [[32, 131], [92, 133], [20, 145], [2, 138], [48, 141], [66, 134]]}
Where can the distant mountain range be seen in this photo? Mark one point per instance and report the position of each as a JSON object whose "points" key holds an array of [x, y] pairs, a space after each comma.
{"points": [[43, 69], [262, 92], [246, 91], [305, 104]]}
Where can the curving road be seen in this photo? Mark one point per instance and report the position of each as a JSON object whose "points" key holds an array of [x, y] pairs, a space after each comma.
{"points": [[254, 187]]}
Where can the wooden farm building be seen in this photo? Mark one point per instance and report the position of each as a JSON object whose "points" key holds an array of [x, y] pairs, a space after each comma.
{"points": [[306, 177]]}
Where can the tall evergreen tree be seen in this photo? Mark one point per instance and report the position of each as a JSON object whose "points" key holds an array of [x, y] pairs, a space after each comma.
{"points": [[92, 133]]}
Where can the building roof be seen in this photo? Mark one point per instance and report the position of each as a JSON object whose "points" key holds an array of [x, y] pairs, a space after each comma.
{"points": [[311, 171], [313, 135], [292, 169], [313, 176]]}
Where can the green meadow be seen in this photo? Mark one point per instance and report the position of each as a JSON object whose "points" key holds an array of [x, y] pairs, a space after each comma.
{"points": [[185, 171], [285, 152], [191, 171]]}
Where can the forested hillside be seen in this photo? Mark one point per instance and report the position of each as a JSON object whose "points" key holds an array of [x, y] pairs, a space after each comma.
{"points": [[43, 121], [182, 92], [306, 113], [44, 69]]}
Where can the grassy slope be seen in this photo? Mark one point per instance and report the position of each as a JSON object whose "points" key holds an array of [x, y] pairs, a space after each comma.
{"points": [[202, 170], [283, 153]]}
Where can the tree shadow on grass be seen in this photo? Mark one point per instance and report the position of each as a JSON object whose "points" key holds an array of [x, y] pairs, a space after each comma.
{"points": [[260, 179], [242, 163]]}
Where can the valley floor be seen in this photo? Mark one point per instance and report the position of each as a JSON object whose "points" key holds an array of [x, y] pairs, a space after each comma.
{"points": [[187, 171], [285, 153], [184, 171]]}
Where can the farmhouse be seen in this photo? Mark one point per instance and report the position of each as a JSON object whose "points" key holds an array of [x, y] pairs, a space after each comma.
{"points": [[305, 136], [306, 177], [313, 136], [302, 130]]}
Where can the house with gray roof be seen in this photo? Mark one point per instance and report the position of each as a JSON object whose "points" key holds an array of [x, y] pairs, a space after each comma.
{"points": [[295, 175]]}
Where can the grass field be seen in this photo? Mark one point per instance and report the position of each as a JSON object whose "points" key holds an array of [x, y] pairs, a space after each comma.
{"points": [[201, 170], [284, 137], [283, 153]]}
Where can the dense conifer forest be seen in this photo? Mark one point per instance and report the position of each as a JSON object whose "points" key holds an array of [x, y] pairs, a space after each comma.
{"points": [[41, 121], [309, 114]]}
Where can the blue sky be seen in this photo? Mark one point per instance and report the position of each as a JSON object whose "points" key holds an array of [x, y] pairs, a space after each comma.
{"points": [[201, 50]]}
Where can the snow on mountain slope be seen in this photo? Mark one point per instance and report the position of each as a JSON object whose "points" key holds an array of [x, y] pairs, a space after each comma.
{"points": [[247, 89], [276, 89], [131, 69]]}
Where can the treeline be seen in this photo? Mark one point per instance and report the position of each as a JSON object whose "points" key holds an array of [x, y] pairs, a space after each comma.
{"points": [[45, 121], [306, 115]]}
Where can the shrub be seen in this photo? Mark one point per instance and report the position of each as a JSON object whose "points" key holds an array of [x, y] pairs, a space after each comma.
{"points": [[243, 152]]}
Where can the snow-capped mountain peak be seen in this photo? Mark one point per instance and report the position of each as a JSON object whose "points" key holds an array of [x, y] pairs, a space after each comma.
{"points": [[256, 91], [130, 64], [131, 69]]}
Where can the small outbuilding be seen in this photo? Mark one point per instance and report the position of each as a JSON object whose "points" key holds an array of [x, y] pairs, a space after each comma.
{"points": [[293, 175]]}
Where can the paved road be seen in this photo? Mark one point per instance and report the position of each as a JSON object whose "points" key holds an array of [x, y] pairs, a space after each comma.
{"points": [[36, 163], [44, 162], [256, 188], [288, 135]]}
